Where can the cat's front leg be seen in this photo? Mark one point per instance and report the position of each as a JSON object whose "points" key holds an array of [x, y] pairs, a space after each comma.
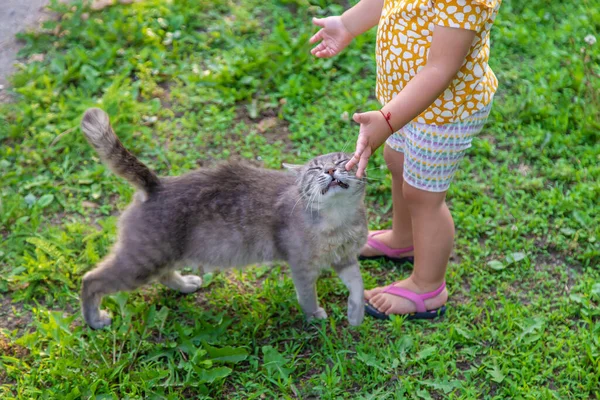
{"points": [[305, 278], [349, 273]]}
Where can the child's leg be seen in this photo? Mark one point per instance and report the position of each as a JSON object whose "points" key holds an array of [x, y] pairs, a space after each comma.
{"points": [[433, 234], [431, 157], [433, 230], [426, 216], [401, 235]]}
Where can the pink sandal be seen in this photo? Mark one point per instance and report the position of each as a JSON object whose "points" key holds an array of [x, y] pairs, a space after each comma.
{"points": [[418, 299], [388, 253]]}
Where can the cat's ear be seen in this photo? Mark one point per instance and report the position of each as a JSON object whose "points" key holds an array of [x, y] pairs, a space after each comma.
{"points": [[293, 167]]}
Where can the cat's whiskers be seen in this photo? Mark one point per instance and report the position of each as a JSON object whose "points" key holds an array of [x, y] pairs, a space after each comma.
{"points": [[313, 194], [346, 145], [379, 166], [317, 196], [308, 200], [318, 199], [369, 179], [300, 197]]}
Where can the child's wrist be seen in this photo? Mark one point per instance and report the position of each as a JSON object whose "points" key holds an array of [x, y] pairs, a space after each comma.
{"points": [[387, 116], [348, 25]]}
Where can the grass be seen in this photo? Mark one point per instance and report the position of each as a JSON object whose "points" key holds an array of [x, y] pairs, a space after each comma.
{"points": [[188, 83]]}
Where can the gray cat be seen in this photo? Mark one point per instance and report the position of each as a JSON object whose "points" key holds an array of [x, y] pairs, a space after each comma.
{"points": [[229, 216]]}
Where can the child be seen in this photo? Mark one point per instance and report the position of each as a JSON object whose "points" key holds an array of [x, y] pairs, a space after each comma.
{"points": [[436, 90]]}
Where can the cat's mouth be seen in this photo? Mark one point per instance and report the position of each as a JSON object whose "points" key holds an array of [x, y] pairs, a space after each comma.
{"points": [[334, 183]]}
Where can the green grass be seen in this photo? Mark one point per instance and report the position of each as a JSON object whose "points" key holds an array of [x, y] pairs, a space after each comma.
{"points": [[188, 83]]}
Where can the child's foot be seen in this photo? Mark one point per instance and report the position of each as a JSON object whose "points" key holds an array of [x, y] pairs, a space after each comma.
{"points": [[382, 244], [388, 303]]}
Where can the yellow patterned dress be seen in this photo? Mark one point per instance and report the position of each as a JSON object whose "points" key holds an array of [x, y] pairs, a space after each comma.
{"points": [[435, 142], [403, 39]]}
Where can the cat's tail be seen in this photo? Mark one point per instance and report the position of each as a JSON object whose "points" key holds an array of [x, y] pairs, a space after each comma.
{"points": [[98, 132]]}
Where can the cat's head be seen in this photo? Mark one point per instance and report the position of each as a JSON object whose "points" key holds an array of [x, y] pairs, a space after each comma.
{"points": [[325, 178]]}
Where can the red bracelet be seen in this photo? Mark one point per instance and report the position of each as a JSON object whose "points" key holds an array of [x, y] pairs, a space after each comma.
{"points": [[387, 119]]}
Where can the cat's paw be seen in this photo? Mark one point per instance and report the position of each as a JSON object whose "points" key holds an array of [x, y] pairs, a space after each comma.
{"points": [[101, 320], [356, 313], [191, 283], [319, 314]]}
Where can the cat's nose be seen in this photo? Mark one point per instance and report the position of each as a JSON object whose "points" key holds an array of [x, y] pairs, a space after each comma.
{"points": [[330, 171]]}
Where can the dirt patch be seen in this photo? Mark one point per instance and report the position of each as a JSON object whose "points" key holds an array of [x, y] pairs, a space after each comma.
{"points": [[463, 296], [268, 123], [13, 315], [553, 264], [11, 350], [488, 138], [463, 365], [17, 16], [377, 211], [163, 92]]}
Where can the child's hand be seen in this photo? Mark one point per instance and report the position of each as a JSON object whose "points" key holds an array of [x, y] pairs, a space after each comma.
{"points": [[334, 37], [374, 131]]}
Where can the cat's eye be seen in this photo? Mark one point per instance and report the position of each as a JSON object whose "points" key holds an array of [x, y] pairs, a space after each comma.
{"points": [[314, 168], [342, 161]]}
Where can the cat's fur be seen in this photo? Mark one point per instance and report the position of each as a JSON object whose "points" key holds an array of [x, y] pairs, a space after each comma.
{"points": [[229, 216]]}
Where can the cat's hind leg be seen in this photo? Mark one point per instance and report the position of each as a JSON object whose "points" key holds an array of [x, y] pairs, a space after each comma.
{"points": [[182, 283], [116, 273]]}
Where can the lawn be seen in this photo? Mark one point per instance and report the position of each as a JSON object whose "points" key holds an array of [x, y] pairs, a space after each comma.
{"points": [[188, 83]]}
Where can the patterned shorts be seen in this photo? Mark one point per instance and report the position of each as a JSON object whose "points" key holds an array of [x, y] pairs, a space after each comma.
{"points": [[432, 153]]}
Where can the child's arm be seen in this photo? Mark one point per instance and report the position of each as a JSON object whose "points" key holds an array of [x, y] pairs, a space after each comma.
{"points": [[449, 48], [338, 31], [363, 16]]}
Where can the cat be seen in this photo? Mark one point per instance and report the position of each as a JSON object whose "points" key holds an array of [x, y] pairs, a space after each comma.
{"points": [[311, 216]]}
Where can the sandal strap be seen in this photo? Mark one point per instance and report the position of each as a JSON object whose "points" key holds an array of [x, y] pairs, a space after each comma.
{"points": [[388, 251], [418, 299]]}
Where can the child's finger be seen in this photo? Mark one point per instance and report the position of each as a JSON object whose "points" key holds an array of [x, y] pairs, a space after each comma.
{"points": [[353, 161], [319, 22], [361, 144], [325, 53], [316, 37], [320, 47], [360, 118], [362, 164], [350, 164]]}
